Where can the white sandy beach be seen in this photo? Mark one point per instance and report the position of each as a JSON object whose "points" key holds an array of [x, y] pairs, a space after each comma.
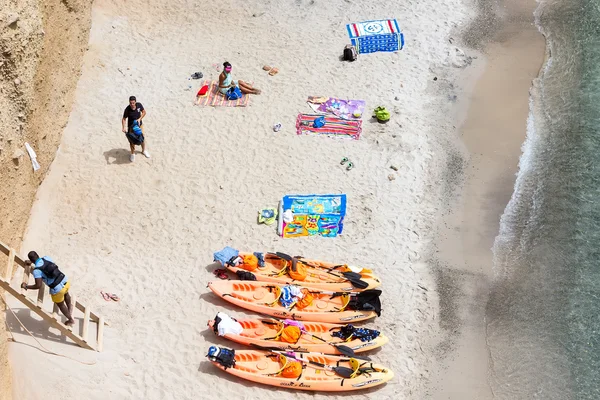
{"points": [[147, 230]]}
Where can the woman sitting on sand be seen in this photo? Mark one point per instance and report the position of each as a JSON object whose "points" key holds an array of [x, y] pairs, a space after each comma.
{"points": [[226, 82]]}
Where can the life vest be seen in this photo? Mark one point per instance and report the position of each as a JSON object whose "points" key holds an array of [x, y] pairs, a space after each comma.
{"points": [[298, 271], [51, 271], [306, 300], [290, 368], [249, 262], [288, 331], [290, 334]]}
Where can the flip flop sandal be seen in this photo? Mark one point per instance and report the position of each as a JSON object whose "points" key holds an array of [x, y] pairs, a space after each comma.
{"points": [[350, 166], [114, 297], [344, 161], [277, 127], [105, 296], [220, 273], [266, 68], [197, 75], [274, 72]]}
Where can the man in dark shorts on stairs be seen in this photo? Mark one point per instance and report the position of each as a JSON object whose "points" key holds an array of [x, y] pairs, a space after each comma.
{"points": [[133, 115]]}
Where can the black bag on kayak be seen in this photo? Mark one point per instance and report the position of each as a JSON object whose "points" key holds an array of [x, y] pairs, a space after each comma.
{"points": [[245, 275], [222, 355], [363, 301], [366, 301], [350, 331]]}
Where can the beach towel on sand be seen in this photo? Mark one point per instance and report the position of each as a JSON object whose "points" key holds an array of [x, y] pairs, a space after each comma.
{"points": [[378, 35], [215, 99], [312, 215], [345, 109], [334, 126]]}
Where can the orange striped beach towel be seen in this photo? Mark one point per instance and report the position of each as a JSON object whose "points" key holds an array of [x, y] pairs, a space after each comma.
{"points": [[215, 99]]}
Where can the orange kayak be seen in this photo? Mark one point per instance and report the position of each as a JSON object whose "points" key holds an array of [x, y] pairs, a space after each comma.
{"points": [[266, 332], [315, 305], [317, 274], [319, 373]]}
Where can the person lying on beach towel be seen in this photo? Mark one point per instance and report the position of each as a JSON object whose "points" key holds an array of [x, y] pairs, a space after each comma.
{"points": [[226, 82]]}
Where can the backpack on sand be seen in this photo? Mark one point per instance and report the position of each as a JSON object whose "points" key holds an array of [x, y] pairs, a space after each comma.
{"points": [[350, 53]]}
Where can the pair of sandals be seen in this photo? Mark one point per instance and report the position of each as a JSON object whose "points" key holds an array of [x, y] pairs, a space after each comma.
{"points": [[221, 273], [110, 296], [272, 71], [350, 164]]}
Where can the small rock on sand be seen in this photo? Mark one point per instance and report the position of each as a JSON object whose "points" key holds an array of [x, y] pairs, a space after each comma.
{"points": [[12, 18], [18, 155]]}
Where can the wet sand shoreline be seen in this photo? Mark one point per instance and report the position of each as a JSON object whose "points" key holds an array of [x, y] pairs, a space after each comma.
{"points": [[494, 119]]}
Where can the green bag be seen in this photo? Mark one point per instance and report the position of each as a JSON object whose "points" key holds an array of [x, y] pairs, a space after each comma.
{"points": [[381, 114]]}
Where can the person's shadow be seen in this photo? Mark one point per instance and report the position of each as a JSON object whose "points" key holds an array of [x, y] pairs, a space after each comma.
{"points": [[117, 156]]}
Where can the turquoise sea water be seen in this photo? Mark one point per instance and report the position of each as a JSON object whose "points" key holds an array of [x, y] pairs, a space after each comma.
{"points": [[543, 317]]}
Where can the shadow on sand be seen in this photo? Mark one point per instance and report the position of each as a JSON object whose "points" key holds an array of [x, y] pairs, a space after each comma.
{"points": [[117, 156]]}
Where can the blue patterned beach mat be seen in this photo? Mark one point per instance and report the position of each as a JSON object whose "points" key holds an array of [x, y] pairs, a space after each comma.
{"points": [[373, 36], [312, 215]]}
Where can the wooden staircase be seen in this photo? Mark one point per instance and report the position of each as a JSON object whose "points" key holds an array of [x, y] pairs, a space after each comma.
{"points": [[53, 318]]}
